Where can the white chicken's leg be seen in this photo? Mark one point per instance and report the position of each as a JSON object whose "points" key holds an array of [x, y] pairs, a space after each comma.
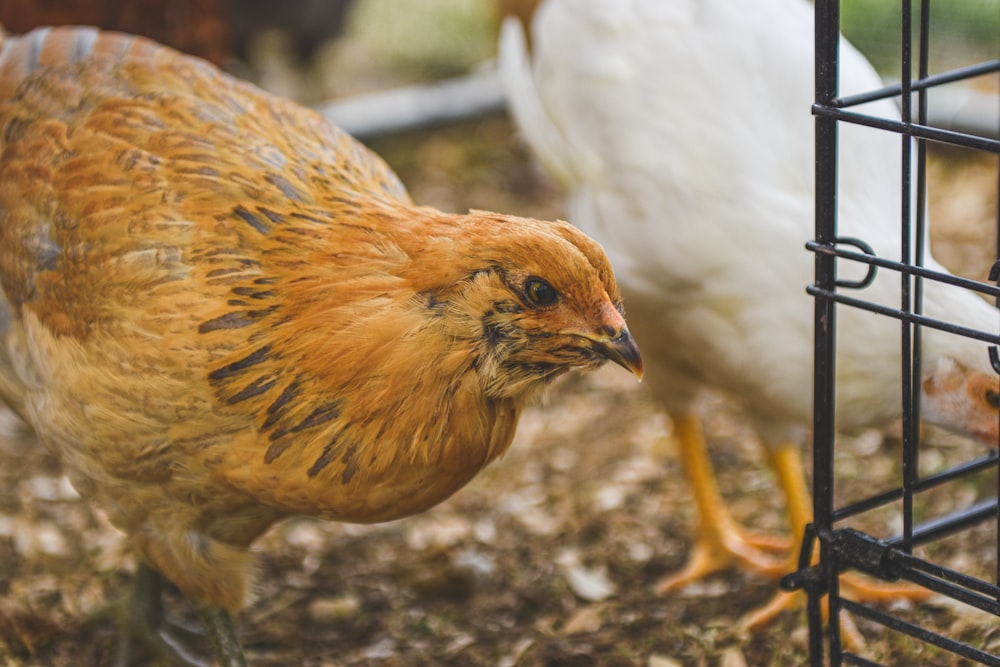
{"points": [[786, 462], [721, 542]]}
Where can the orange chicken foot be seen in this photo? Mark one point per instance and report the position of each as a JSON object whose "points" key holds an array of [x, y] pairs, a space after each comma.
{"points": [[721, 541], [786, 462]]}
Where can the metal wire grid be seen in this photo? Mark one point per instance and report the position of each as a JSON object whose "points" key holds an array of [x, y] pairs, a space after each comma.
{"points": [[842, 548]]}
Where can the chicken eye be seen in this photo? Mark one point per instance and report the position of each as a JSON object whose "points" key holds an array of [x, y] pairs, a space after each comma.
{"points": [[539, 293], [993, 398]]}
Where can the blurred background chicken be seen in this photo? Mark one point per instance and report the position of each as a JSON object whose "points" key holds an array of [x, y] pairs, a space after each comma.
{"points": [[681, 131], [220, 310], [200, 27], [218, 30], [233, 34]]}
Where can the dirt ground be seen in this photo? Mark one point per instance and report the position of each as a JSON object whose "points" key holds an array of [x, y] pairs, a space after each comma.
{"points": [[549, 558]]}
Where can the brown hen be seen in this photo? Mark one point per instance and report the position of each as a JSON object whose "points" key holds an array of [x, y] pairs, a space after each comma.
{"points": [[220, 310]]}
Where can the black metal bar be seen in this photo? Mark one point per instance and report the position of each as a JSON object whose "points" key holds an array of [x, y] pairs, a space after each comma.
{"points": [[844, 548], [923, 131], [920, 232], [996, 573], [881, 558], [935, 529], [923, 83], [911, 317], [911, 566], [878, 557], [909, 449], [827, 44], [997, 250], [922, 634], [895, 265], [957, 593], [886, 497], [980, 594]]}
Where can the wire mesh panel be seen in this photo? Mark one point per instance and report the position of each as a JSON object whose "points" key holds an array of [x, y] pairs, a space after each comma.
{"points": [[850, 532]]}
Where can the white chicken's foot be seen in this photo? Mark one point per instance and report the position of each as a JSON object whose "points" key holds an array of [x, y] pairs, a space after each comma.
{"points": [[721, 542]]}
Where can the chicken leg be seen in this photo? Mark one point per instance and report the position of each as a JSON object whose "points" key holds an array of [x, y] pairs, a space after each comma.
{"points": [[786, 462], [721, 542], [222, 633], [144, 624]]}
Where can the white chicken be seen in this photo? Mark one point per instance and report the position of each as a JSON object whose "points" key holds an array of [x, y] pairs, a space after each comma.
{"points": [[682, 132]]}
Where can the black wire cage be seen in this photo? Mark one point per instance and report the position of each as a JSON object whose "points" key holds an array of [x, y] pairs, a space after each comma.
{"points": [[834, 544]]}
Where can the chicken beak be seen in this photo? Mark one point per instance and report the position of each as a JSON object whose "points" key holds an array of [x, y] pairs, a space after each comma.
{"points": [[622, 350], [614, 340]]}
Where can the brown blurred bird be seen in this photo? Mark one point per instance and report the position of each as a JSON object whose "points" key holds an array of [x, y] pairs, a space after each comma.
{"points": [[204, 28], [219, 31], [220, 310]]}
